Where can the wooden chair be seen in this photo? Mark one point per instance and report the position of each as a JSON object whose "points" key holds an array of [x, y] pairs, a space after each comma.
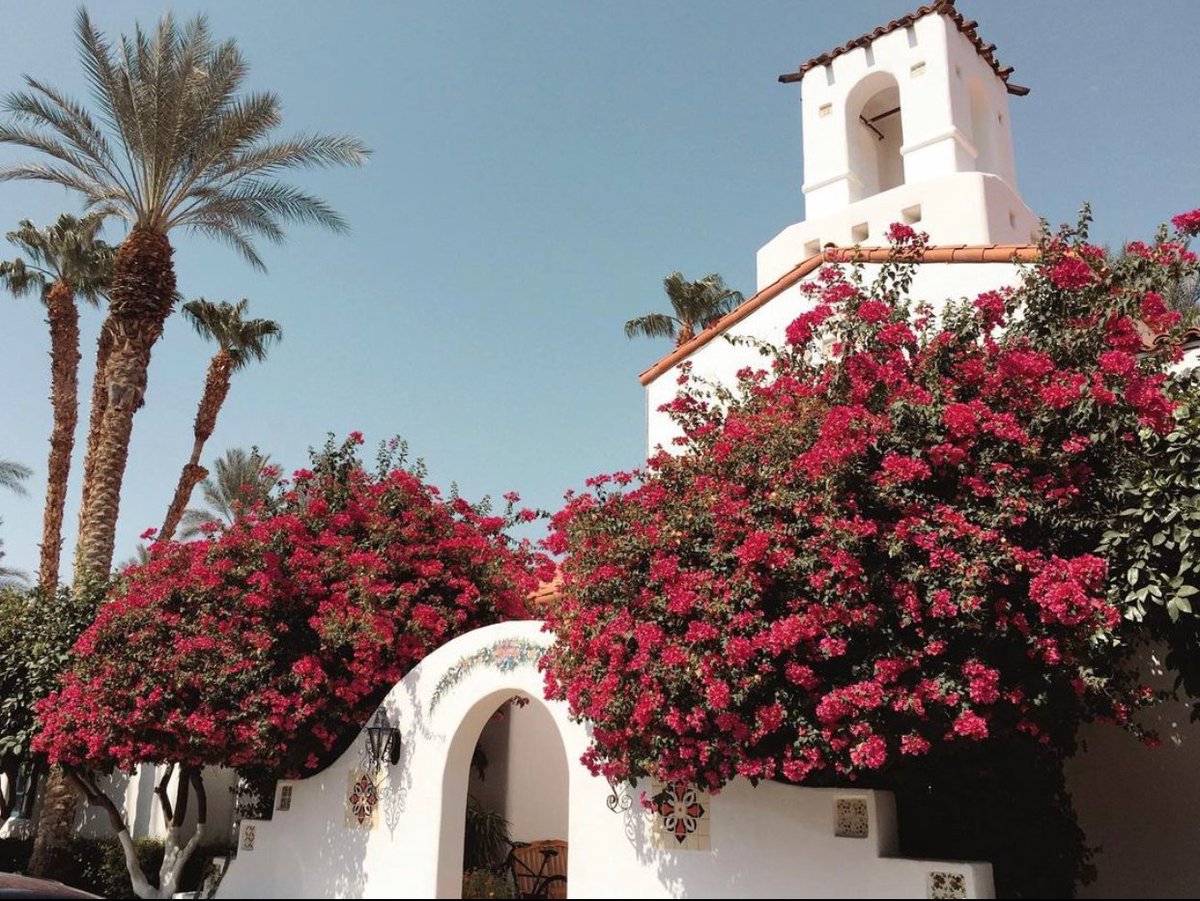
{"points": [[539, 869]]}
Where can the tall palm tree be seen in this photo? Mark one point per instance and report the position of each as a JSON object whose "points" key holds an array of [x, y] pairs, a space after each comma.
{"points": [[175, 146], [61, 263], [12, 477], [240, 341], [697, 305], [240, 479]]}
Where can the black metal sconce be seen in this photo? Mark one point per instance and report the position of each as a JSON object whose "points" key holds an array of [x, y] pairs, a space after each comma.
{"points": [[383, 741]]}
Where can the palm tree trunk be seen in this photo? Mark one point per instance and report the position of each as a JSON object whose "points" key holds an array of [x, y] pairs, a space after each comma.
{"points": [[104, 345], [63, 318], [216, 389], [55, 824], [142, 294]]}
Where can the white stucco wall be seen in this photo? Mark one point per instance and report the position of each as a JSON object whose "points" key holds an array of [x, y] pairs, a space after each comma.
{"points": [[135, 797], [1139, 804], [774, 840], [960, 208], [719, 359], [536, 800]]}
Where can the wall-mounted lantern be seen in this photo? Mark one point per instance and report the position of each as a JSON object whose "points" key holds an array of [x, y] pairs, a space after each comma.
{"points": [[383, 741]]}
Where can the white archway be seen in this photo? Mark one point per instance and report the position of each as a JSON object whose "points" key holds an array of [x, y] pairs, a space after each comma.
{"points": [[544, 772]]}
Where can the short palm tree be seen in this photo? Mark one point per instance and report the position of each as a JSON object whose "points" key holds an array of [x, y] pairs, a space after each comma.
{"points": [[240, 479], [175, 145], [61, 263], [696, 305], [239, 341]]}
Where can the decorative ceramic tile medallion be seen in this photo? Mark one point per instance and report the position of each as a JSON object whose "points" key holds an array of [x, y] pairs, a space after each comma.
{"points": [[682, 816], [850, 818], [248, 837], [505, 655], [947, 885], [362, 801]]}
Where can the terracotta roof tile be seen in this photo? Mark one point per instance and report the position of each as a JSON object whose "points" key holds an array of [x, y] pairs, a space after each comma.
{"points": [[943, 253], [1187, 341], [941, 7]]}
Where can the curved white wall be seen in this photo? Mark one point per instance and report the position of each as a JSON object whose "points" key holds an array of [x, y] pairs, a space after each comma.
{"points": [[774, 840]]}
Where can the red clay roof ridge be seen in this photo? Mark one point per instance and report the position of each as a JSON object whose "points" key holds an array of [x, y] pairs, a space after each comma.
{"points": [[938, 253], [941, 7]]}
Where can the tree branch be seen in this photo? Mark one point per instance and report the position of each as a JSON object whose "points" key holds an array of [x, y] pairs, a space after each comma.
{"points": [[181, 798], [161, 792], [86, 784]]}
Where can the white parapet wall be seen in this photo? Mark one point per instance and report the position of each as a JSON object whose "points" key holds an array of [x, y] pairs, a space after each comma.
{"points": [[397, 831]]}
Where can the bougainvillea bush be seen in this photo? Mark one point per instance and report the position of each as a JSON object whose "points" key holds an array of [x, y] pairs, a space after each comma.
{"points": [[267, 645], [882, 548]]}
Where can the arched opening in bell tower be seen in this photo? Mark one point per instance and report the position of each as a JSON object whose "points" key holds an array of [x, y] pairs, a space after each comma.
{"points": [[874, 123]]}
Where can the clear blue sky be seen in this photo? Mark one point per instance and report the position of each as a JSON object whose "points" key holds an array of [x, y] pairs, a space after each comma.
{"points": [[538, 168]]}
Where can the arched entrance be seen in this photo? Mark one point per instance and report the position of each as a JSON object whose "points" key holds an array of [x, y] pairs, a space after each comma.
{"points": [[507, 756]]}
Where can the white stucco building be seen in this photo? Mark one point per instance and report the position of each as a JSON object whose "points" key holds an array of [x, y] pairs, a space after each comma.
{"points": [[909, 123]]}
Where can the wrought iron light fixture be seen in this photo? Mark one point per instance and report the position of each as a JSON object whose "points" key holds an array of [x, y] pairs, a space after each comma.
{"points": [[383, 741]]}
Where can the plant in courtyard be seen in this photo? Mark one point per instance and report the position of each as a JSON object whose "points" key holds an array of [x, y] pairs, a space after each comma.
{"points": [[267, 644], [879, 554], [240, 342]]}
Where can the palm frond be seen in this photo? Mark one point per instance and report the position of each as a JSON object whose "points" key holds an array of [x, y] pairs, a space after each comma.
{"points": [[22, 280], [173, 140], [13, 476], [652, 325], [244, 340], [69, 250]]}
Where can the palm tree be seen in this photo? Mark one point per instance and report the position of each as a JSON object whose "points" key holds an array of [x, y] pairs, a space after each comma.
{"points": [[241, 478], [175, 146], [697, 305], [61, 262], [240, 341], [12, 477]]}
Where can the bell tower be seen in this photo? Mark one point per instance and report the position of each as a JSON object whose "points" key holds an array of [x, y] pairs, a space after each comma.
{"points": [[907, 123]]}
